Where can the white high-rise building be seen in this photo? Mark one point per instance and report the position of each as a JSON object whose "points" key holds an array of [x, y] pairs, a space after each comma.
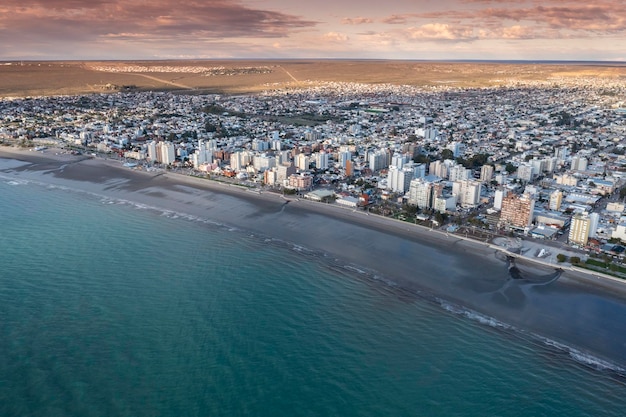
{"points": [[283, 157], [538, 166], [593, 227], [302, 162], [276, 144], [152, 151], [525, 172], [556, 198], [561, 153], [457, 148], [398, 160], [321, 160], [438, 168], [420, 170], [501, 178], [260, 145], [240, 160], [344, 157], [166, 153], [579, 163], [486, 173], [204, 152], [377, 160], [467, 192], [423, 193], [263, 162], [499, 196], [443, 204], [399, 180], [551, 164], [200, 154], [459, 173]]}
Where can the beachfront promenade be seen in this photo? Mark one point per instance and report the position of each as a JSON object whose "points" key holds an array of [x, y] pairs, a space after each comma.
{"points": [[112, 169]]}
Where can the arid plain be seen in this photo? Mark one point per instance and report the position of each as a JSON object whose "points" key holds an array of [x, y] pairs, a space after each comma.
{"points": [[31, 78]]}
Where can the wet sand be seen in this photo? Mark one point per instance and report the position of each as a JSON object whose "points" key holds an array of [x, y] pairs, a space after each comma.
{"points": [[573, 308]]}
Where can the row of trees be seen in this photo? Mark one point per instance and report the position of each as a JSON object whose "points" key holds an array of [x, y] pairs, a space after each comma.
{"points": [[473, 162]]}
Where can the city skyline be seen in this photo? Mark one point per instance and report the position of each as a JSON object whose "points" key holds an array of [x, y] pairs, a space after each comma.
{"points": [[279, 29]]}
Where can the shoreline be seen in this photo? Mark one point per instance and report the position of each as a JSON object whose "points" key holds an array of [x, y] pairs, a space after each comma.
{"points": [[463, 271], [48, 162]]}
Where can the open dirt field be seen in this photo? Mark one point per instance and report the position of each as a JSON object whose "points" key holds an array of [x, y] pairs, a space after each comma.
{"points": [[31, 78]]}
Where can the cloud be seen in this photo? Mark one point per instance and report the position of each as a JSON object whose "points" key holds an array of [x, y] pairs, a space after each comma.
{"points": [[336, 37], [356, 20], [440, 31], [396, 19], [600, 18], [62, 19], [564, 19]]}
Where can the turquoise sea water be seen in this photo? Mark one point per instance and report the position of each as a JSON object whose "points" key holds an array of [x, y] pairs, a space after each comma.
{"points": [[110, 309]]}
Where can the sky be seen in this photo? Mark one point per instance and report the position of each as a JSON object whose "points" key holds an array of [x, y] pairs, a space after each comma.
{"points": [[365, 29]]}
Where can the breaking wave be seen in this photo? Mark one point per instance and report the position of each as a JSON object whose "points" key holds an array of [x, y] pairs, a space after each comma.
{"points": [[584, 358]]}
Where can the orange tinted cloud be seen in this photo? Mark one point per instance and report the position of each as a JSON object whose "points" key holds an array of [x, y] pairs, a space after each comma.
{"points": [[221, 18], [256, 28], [356, 20], [513, 20]]}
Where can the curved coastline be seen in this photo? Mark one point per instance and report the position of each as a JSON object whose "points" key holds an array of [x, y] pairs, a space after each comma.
{"points": [[464, 271]]}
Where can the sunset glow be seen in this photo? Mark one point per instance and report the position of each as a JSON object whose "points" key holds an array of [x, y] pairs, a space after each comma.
{"points": [[394, 29]]}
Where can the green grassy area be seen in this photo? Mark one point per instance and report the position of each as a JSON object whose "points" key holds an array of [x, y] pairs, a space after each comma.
{"points": [[304, 119], [604, 267]]}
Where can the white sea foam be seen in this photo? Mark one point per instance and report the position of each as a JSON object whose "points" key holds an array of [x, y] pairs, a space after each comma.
{"points": [[300, 249], [384, 280], [473, 315], [579, 356], [585, 358], [354, 269]]}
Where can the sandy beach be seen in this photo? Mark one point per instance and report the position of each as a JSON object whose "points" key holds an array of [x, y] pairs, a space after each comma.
{"points": [[573, 308]]}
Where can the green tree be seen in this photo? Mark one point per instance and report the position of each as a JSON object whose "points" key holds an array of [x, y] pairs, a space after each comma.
{"points": [[561, 258], [421, 159], [409, 209], [440, 217], [575, 260], [510, 168], [447, 154]]}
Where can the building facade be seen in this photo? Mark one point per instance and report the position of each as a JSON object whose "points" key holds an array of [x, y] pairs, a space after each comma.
{"points": [[467, 192], [579, 229], [517, 211]]}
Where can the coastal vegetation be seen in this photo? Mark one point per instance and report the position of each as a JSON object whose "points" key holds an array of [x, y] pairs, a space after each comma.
{"points": [[605, 265]]}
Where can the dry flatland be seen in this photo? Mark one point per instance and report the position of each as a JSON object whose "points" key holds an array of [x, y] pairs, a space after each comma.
{"points": [[31, 78]]}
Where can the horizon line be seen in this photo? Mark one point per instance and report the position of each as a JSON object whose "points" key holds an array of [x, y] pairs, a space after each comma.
{"points": [[470, 60]]}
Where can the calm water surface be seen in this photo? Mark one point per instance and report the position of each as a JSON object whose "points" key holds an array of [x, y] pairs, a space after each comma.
{"points": [[110, 309]]}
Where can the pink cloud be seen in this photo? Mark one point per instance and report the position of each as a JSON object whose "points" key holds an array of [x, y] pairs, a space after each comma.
{"points": [[396, 19], [569, 16], [356, 20], [440, 32], [215, 19], [336, 37]]}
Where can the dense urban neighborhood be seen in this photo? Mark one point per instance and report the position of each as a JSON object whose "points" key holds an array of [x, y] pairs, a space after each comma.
{"points": [[543, 160]]}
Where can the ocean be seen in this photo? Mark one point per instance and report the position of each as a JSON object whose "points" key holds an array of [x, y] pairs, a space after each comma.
{"points": [[113, 308]]}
